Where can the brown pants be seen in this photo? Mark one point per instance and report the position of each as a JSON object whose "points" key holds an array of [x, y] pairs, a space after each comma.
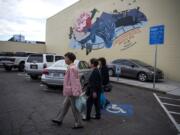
{"points": [[69, 101]]}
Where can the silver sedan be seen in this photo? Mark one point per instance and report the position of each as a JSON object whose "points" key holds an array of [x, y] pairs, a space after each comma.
{"points": [[54, 75]]}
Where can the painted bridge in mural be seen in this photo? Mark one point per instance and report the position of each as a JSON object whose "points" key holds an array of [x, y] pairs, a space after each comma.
{"points": [[105, 29]]}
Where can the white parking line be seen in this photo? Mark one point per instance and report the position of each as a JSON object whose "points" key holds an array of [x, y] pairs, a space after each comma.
{"points": [[168, 114], [170, 104], [168, 98]]}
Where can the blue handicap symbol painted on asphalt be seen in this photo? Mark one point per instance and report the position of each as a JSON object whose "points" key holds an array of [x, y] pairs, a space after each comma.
{"points": [[122, 110]]}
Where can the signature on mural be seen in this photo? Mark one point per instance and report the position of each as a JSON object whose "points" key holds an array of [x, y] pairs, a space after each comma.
{"points": [[101, 32]]}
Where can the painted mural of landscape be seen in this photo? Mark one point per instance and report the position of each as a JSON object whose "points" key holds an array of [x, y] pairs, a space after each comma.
{"points": [[117, 27]]}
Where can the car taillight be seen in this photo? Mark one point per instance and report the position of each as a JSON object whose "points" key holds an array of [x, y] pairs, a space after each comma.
{"points": [[45, 72], [45, 65]]}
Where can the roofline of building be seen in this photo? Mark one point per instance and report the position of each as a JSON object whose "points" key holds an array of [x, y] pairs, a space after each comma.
{"points": [[63, 10]]}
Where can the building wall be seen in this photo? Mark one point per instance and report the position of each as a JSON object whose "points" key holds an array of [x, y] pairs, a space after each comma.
{"points": [[7, 46], [137, 45]]}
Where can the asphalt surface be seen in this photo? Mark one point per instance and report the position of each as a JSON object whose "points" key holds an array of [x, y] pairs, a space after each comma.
{"points": [[172, 105], [27, 107]]}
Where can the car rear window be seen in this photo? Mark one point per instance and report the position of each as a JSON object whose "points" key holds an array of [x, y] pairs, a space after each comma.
{"points": [[38, 58], [50, 58]]}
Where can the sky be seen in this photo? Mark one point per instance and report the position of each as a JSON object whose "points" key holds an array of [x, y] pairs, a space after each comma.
{"points": [[28, 17]]}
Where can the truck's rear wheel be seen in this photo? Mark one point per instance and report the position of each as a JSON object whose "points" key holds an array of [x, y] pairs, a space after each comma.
{"points": [[34, 77], [8, 68], [21, 67]]}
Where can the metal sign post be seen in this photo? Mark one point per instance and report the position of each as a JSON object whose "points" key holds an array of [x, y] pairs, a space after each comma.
{"points": [[155, 65], [156, 38]]}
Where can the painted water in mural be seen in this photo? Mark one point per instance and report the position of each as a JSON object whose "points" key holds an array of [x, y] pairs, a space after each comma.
{"points": [[92, 33]]}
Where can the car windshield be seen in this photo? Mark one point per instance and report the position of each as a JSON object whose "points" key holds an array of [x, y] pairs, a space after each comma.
{"points": [[141, 63], [35, 58]]}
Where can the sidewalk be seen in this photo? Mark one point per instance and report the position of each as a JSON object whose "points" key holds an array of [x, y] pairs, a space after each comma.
{"points": [[167, 86]]}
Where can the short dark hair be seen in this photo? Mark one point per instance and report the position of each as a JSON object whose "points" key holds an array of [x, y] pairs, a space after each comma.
{"points": [[103, 61], [71, 56], [94, 62]]}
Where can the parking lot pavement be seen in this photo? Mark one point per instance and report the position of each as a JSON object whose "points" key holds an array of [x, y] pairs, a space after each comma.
{"points": [[171, 105], [27, 107]]}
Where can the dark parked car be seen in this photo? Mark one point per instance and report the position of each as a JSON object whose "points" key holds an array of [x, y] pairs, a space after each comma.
{"points": [[135, 69]]}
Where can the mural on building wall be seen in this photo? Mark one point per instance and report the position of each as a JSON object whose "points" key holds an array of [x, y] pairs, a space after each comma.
{"points": [[116, 28]]}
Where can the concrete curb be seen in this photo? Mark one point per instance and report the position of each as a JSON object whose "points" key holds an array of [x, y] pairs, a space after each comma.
{"points": [[143, 88]]}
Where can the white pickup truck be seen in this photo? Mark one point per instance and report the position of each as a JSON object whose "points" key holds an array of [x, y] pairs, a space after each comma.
{"points": [[14, 60]]}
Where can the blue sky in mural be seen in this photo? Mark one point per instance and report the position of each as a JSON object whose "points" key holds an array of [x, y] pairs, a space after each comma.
{"points": [[106, 28]]}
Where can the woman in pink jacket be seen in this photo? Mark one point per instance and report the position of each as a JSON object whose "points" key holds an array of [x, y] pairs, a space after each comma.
{"points": [[71, 90]]}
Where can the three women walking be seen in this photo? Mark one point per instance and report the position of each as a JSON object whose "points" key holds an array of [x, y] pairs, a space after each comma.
{"points": [[72, 90]]}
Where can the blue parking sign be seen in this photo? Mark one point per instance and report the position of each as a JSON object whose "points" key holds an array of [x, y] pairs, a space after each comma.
{"points": [[156, 35]]}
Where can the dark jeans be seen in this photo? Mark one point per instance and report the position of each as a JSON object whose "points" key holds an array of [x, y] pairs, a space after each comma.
{"points": [[96, 102]]}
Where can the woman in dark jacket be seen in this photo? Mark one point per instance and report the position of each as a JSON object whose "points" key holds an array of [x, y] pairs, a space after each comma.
{"points": [[93, 91], [106, 86], [104, 71]]}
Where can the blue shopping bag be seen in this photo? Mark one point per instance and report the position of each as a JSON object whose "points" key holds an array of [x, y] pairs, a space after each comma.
{"points": [[102, 100]]}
